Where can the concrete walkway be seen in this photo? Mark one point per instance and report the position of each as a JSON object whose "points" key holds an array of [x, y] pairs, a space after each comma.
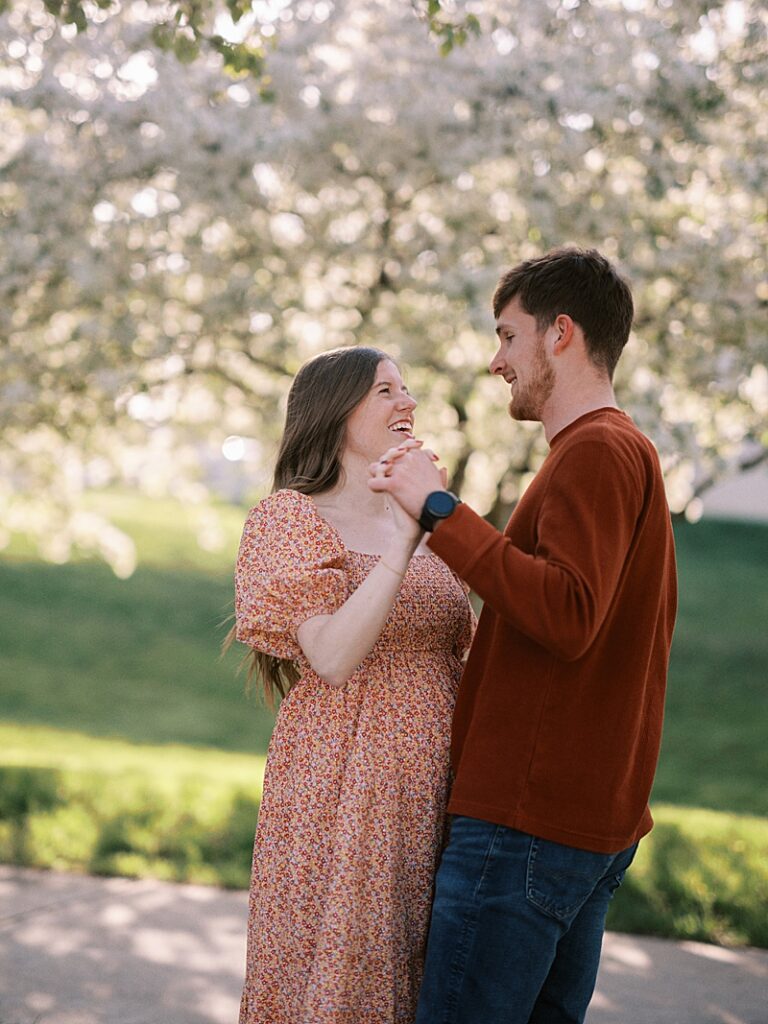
{"points": [[79, 950]]}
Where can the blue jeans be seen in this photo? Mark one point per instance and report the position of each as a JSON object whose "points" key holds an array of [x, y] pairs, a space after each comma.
{"points": [[517, 928]]}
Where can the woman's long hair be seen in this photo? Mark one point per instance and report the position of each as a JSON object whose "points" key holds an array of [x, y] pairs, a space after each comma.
{"points": [[323, 394]]}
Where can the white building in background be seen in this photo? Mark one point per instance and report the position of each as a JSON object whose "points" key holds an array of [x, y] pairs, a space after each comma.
{"points": [[744, 496]]}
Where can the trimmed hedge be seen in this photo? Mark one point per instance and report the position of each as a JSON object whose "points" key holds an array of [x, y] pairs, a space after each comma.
{"points": [[185, 815], [75, 803], [111, 825], [699, 875]]}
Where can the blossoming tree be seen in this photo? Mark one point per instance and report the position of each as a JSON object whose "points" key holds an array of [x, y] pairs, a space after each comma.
{"points": [[176, 243]]}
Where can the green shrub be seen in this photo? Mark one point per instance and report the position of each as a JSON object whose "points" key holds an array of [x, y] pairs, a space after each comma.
{"points": [[24, 791], [699, 875], [115, 808], [24, 794], [110, 825]]}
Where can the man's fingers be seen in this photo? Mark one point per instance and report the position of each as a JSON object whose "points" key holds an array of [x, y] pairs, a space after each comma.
{"points": [[391, 455], [379, 483], [382, 470], [400, 449]]}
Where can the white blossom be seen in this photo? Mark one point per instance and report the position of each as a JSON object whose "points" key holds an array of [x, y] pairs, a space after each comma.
{"points": [[175, 245]]}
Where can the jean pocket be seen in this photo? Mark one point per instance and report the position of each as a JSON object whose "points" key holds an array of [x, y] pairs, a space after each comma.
{"points": [[620, 866], [560, 879]]}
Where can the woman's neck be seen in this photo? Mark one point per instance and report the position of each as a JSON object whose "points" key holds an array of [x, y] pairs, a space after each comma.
{"points": [[352, 490]]}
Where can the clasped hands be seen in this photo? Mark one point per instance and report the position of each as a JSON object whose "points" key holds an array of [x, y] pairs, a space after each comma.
{"points": [[408, 473]]}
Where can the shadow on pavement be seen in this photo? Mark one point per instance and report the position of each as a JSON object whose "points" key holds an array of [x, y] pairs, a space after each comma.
{"points": [[81, 950], [78, 950]]}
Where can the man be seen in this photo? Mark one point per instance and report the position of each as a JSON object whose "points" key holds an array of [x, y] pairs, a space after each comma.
{"points": [[558, 719]]}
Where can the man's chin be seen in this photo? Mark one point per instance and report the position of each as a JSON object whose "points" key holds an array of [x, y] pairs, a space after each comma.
{"points": [[521, 414]]}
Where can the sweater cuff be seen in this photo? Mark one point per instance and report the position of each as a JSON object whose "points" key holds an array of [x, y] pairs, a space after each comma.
{"points": [[462, 539]]}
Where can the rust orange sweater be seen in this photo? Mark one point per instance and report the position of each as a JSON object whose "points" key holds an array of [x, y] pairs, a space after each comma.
{"points": [[558, 721]]}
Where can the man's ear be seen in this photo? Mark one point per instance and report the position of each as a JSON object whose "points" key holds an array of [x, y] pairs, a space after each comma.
{"points": [[563, 328]]}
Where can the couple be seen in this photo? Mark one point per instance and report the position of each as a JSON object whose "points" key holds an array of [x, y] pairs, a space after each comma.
{"points": [[365, 907]]}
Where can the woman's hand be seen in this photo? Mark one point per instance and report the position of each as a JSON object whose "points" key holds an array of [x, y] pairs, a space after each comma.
{"points": [[406, 525], [407, 473]]}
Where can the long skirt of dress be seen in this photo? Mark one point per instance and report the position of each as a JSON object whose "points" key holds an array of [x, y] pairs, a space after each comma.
{"points": [[350, 831]]}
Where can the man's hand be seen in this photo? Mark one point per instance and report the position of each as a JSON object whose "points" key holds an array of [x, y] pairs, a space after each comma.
{"points": [[408, 472]]}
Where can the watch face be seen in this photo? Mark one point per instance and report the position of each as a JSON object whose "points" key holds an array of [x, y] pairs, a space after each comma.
{"points": [[441, 504]]}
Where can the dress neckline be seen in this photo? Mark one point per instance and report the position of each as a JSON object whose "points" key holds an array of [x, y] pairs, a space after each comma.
{"points": [[351, 551]]}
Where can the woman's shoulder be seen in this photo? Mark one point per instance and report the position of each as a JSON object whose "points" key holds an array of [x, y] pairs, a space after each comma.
{"points": [[284, 502], [290, 518]]}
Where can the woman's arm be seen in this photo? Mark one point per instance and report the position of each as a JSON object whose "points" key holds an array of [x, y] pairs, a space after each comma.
{"points": [[334, 645]]}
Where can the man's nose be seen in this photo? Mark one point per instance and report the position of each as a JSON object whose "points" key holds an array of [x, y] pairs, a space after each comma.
{"points": [[495, 365]]}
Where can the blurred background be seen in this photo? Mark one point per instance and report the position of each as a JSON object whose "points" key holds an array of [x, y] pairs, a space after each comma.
{"points": [[196, 197]]}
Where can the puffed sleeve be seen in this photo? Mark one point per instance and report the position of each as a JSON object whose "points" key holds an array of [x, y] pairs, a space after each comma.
{"points": [[289, 568]]}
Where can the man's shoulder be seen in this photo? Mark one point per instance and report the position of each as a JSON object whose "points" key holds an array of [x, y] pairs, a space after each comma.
{"points": [[611, 428], [608, 439]]}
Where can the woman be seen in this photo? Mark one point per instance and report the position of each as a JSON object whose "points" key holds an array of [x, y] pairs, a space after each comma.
{"points": [[362, 630]]}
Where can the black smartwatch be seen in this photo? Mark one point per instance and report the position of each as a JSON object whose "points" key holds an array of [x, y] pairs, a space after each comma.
{"points": [[438, 505]]}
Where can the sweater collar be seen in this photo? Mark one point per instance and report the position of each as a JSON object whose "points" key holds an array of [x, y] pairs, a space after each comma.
{"points": [[606, 412]]}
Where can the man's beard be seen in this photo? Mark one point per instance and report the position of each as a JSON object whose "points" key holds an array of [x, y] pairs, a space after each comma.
{"points": [[528, 400]]}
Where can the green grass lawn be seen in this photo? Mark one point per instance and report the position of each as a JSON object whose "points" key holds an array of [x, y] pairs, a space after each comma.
{"points": [[714, 752], [136, 658], [139, 658], [129, 746]]}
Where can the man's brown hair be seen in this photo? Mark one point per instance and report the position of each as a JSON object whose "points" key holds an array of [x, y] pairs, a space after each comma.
{"points": [[580, 283]]}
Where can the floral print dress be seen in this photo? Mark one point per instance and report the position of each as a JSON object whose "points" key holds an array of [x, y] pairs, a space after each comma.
{"points": [[352, 816]]}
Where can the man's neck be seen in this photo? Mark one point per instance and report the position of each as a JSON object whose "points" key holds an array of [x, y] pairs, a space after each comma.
{"points": [[562, 411]]}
